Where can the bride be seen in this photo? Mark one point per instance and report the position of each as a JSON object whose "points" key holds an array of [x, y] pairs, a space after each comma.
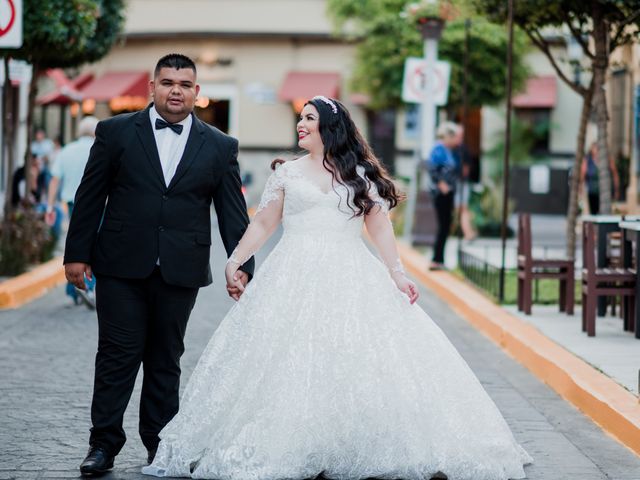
{"points": [[325, 366]]}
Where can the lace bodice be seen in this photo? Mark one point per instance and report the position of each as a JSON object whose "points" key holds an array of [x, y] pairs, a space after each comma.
{"points": [[306, 209]]}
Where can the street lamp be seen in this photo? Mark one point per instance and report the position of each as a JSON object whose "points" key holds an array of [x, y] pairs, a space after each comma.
{"points": [[431, 27]]}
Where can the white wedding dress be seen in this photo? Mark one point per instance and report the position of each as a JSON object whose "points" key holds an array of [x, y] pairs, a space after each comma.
{"points": [[323, 366]]}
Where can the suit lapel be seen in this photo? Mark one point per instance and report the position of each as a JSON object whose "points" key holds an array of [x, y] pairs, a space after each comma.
{"points": [[148, 140], [194, 143]]}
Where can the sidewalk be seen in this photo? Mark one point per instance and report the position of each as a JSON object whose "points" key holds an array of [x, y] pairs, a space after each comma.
{"points": [[613, 351], [548, 234], [599, 375]]}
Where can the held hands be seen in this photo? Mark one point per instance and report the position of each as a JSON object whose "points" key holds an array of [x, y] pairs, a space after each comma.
{"points": [[236, 280], [406, 286], [75, 273]]}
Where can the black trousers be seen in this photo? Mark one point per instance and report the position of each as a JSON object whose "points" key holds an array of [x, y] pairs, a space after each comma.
{"points": [[444, 213], [139, 322], [594, 203]]}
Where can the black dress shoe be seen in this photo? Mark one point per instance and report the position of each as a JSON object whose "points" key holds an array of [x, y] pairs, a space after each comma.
{"points": [[151, 454], [97, 462]]}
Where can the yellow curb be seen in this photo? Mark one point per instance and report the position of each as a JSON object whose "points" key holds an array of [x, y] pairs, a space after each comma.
{"points": [[608, 404], [30, 285]]}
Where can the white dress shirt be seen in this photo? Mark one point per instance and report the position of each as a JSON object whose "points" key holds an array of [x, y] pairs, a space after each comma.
{"points": [[170, 145]]}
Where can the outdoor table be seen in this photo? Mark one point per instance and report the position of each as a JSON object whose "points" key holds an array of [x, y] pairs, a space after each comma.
{"points": [[631, 233], [605, 224]]}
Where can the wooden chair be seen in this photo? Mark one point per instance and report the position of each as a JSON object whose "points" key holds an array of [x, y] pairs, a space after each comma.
{"points": [[614, 260], [530, 268], [596, 282]]}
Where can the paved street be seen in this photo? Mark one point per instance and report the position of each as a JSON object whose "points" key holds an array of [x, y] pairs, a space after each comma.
{"points": [[46, 367]]}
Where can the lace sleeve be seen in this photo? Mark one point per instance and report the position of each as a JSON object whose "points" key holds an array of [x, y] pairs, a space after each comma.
{"points": [[373, 191], [273, 190], [265, 220]]}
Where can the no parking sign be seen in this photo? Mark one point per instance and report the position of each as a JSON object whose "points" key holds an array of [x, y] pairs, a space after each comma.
{"points": [[10, 23], [414, 83]]}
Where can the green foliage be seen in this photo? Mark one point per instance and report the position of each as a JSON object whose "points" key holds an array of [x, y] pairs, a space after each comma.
{"points": [[487, 61], [386, 39], [26, 239], [68, 33], [536, 14], [524, 136], [486, 208]]}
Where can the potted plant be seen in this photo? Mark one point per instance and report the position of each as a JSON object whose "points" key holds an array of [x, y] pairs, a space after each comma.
{"points": [[428, 15]]}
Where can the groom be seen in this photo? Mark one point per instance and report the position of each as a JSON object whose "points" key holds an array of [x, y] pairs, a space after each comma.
{"points": [[141, 224]]}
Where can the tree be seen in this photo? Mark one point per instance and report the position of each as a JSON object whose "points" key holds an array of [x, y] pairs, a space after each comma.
{"points": [[599, 27], [64, 33], [386, 39], [59, 34]]}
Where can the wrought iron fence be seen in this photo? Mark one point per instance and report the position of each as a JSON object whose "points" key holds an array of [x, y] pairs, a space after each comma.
{"points": [[486, 276], [480, 272]]}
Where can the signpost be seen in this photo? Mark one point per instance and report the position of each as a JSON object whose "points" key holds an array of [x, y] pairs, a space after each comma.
{"points": [[10, 23], [426, 81], [414, 84]]}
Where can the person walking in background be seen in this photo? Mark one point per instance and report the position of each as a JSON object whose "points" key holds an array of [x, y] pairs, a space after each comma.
{"points": [[590, 177], [43, 148], [30, 195], [66, 174], [462, 157], [443, 172]]}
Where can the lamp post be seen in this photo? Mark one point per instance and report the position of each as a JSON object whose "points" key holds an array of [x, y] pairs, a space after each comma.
{"points": [[431, 29], [507, 152]]}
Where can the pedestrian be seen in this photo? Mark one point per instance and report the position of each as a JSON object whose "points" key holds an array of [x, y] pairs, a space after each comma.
{"points": [[43, 148], [326, 367], [443, 174], [66, 173], [590, 177], [141, 224], [462, 158], [32, 194]]}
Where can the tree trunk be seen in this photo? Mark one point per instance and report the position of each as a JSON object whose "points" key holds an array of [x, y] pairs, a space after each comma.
{"points": [[8, 137], [600, 64], [572, 214], [33, 92]]}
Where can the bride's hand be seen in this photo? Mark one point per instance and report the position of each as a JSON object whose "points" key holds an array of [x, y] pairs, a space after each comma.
{"points": [[236, 280], [406, 286]]}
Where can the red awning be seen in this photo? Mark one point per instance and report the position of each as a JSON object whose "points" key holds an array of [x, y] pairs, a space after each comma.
{"points": [[541, 92], [117, 84], [68, 91], [305, 85]]}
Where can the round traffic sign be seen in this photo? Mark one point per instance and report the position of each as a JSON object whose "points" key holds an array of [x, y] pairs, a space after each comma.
{"points": [[417, 81], [12, 18]]}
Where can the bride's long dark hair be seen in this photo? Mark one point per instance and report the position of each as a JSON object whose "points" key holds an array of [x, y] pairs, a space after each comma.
{"points": [[344, 150]]}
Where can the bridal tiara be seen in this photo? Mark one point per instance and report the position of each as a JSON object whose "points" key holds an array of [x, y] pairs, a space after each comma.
{"points": [[333, 106]]}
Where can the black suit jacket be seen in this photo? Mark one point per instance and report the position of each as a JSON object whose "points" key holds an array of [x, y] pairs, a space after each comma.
{"points": [[125, 218]]}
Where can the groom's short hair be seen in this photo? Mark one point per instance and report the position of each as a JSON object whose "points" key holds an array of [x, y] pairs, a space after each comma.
{"points": [[174, 60]]}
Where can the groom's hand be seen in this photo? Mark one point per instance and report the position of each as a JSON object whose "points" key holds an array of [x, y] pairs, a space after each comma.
{"points": [[236, 287], [75, 273]]}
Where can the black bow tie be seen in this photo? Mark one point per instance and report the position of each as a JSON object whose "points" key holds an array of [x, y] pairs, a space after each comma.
{"points": [[176, 127]]}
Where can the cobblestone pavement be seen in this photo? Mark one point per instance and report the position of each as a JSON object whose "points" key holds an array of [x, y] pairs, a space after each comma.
{"points": [[47, 350]]}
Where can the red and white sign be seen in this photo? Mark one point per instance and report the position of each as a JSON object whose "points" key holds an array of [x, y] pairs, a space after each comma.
{"points": [[10, 23], [414, 83]]}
